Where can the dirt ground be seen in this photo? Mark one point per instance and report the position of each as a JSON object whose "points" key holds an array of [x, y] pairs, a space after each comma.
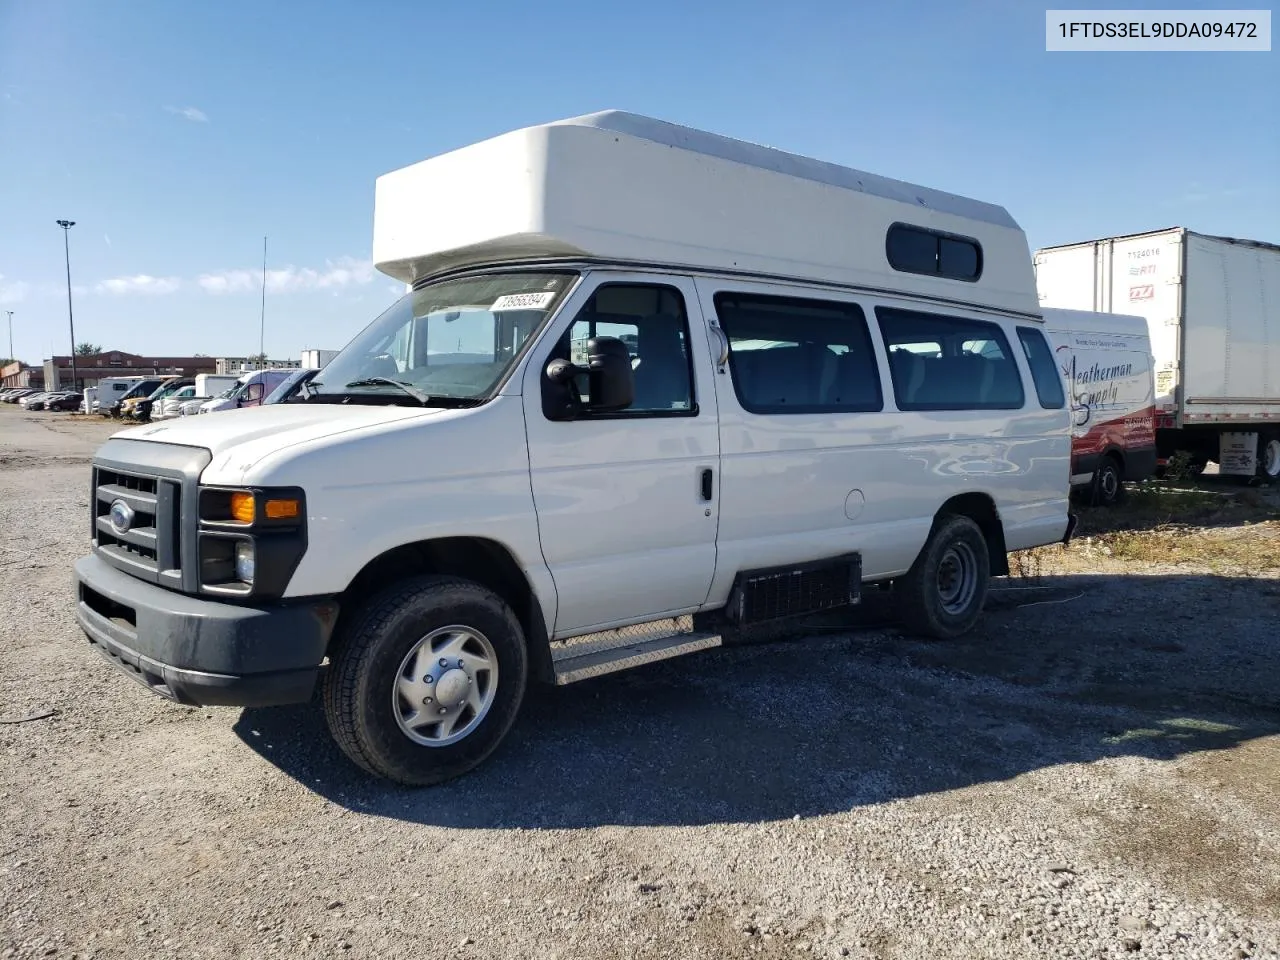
{"points": [[1091, 774]]}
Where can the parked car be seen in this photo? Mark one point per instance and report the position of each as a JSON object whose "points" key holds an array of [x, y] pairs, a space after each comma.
{"points": [[139, 390], [142, 407], [66, 401], [13, 396], [35, 401], [168, 405]]}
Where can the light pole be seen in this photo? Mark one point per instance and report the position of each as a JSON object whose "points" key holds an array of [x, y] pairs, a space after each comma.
{"points": [[262, 320], [66, 226], [10, 313]]}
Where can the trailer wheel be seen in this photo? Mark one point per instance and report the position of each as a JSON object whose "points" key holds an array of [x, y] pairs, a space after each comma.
{"points": [[427, 680], [943, 593], [1108, 483], [1269, 457]]}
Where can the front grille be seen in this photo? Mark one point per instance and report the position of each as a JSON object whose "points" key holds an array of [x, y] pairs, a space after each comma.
{"points": [[148, 546]]}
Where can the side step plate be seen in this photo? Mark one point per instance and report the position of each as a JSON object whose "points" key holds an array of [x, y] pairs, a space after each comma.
{"points": [[598, 662]]}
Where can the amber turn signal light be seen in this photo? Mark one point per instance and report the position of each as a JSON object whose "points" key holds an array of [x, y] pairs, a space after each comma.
{"points": [[280, 509], [242, 507]]}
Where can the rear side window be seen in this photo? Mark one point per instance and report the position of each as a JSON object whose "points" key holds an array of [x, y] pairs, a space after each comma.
{"points": [[797, 355], [1044, 372], [941, 362]]}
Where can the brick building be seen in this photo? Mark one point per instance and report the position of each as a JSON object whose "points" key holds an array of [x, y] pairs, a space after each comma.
{"points": [[117, 363], [18, 374]]}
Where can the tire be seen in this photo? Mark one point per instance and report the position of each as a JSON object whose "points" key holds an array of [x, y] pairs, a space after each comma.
{"points": [[1269, 457], [929, 602], [364, 699], [1108, 483]]}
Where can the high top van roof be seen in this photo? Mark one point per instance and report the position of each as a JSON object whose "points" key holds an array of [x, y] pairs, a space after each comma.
{"points": [[615, 186]]}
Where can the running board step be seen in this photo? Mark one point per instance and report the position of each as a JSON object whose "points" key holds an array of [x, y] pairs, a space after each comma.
{"points": [[599, 662]]}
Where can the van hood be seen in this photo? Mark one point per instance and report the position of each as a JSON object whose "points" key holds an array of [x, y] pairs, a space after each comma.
{"points": [[267, 429]]}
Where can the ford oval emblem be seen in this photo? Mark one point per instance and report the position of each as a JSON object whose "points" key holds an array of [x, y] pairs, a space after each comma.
{"points": [[121, 516]]}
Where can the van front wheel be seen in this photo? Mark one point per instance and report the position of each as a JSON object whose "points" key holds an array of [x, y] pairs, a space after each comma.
{"points": [[427, 680], [943, 593]]}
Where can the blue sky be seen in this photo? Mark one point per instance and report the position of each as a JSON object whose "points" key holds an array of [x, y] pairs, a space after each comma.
{"points": [[178, 134]]}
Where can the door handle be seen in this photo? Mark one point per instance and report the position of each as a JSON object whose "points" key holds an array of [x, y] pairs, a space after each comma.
{"points": [[706, 479]]}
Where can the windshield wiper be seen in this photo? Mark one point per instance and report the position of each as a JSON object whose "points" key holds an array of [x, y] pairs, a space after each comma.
{"points": [[411, 390], [426, 399]]}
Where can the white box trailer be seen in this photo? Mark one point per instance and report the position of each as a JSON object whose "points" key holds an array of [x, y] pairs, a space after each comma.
{"points": [[1212, 306], [316, 359], [210, 385]]}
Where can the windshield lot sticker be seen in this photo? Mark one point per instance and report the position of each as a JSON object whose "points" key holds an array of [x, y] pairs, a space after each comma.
{"points": [[524, 301]]}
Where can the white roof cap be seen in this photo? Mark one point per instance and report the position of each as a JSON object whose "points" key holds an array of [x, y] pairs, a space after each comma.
{"points": [[617, 186], [1092, 321]]}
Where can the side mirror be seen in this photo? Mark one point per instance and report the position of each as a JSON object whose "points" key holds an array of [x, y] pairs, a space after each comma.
{"points": [[254, 393], [610, 381]]}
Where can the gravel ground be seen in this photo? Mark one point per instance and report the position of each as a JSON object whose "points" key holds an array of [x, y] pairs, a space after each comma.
{"points": [[1092, 774]]}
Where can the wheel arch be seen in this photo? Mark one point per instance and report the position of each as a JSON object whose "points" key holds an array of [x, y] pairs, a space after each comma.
{"points": [[1116, 453], [982, 510], [478, 559]]}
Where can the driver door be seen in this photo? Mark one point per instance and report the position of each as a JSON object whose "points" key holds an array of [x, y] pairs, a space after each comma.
{"points": [[627, 502]]}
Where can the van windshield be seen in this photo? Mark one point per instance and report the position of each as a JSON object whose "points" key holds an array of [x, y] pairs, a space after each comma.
{"points": [[446, 344]]}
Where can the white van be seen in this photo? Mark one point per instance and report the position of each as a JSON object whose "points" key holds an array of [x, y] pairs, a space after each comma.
{"points": [[250, 390], [838, 379], [1108, 366]]}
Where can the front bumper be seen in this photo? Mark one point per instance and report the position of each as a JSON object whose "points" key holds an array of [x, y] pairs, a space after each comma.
{"points": [[200, 652]]}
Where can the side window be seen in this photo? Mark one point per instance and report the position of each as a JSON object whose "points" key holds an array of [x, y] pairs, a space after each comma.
{"points": [[917, 250], [949, 363], [651, 320], [792, 355], [1044, 372]]}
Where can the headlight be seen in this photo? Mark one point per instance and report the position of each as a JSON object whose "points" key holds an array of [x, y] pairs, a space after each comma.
{"points": [[244, 561], [250, 539]]}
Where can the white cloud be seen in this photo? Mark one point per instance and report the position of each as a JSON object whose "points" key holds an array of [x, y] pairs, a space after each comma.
{"points": [[336, 275], [139, 283], [228, 281], [13, 291], [193, 114]]}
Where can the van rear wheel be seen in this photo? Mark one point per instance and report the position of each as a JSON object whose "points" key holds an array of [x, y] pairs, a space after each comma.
{"points": [[1108, 483], [943, 593], [1269, 457], [427, 680]]}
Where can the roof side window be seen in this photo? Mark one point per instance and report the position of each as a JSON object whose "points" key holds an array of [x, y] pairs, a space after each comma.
{"points": [[932, 253]]}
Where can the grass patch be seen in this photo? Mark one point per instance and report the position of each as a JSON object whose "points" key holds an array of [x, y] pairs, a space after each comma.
{"points": [[1228, 530], [1151, 506], [1254, 548]]}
